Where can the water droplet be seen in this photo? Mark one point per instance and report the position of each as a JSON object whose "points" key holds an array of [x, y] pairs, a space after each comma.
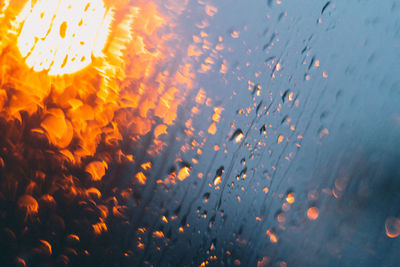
{"points": [[237, 136], [392, 227], [290, 198], [312, 213], [256, 90], [325, 6], [206, 197], [217, 180], [243, 173], [280, 217], [272, 236], [263, 129]]}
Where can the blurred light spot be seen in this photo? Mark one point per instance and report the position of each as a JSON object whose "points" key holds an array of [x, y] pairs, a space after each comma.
{"points": [[235, 34], [392, 227], [272, 236], [263, 262], [313, 213], [158, 234], [141, 177], [184, 173], [212, 129], [290, 198], [96, 169]]}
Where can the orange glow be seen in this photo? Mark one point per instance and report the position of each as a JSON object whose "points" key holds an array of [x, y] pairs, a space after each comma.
{"points": [[62, 36], [87, 68], [239, 137], [93, 193], [184, 173], [29, 205], [263, 262], [20, 262], [59, 131], [99, 228], [213, 128], [217, 114], [141, 177], [201, 97], [290, 96], [158, 234], [49, 200], [97, 170], [211, 10], [146, 166], [140, 246], [47, 246], [72, 237], [235, 34], [272, 236], [224, 66], [85, 77], [392, 227], [335, 194], [212, 247], [160, 129], [217, 180], [313, 213], [290, 198]]}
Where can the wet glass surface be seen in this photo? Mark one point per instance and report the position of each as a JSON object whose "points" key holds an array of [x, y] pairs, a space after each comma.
{"points": [[273, 141]]}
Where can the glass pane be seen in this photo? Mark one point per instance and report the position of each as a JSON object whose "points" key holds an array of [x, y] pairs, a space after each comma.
{"points": [[199, 133]]}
